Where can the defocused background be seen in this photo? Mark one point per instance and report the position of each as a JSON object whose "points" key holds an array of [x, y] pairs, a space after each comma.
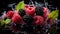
{"points": [[4, 4]]}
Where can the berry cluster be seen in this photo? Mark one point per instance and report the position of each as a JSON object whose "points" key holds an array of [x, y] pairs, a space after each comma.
{"points": [[31, 19], [31, 15]]}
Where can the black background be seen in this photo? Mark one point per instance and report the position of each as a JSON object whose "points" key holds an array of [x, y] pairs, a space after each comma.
{"points": [[4, 3]]}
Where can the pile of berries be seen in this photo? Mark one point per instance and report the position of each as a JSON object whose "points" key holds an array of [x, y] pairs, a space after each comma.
{"points": [[31, 19], [31, 15]]}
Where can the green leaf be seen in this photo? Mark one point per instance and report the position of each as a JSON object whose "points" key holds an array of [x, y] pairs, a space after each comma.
{"points": [[7, 21], [56, 15], [20, 5], [53, 14], [2, 22]]}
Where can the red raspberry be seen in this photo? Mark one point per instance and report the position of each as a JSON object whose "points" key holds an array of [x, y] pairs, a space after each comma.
{"points": [[16, 18], [26, 6], [38, 20], [46, 12], [30, 11], [9, 14]]}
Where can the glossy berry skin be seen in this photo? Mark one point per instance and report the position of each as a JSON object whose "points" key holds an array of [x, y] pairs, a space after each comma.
{"points": [[38, 20], [30, 11], [16, 18], [9, 14]]}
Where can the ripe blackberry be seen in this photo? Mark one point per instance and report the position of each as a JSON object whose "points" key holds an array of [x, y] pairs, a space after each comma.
{"points": [[28, 19], [39, 11], [21, 12]]}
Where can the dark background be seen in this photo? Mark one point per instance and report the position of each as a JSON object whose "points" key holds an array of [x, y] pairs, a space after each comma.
{"points": [[4, 3]]}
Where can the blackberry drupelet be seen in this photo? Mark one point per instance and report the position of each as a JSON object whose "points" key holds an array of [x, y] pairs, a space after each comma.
{"points": [[21, 12], [27, 19], [39, 11]]}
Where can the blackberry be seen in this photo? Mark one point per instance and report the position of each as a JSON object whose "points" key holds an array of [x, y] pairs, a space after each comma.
{"points": [[39, 11], [21, 12], [28, 19]]}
